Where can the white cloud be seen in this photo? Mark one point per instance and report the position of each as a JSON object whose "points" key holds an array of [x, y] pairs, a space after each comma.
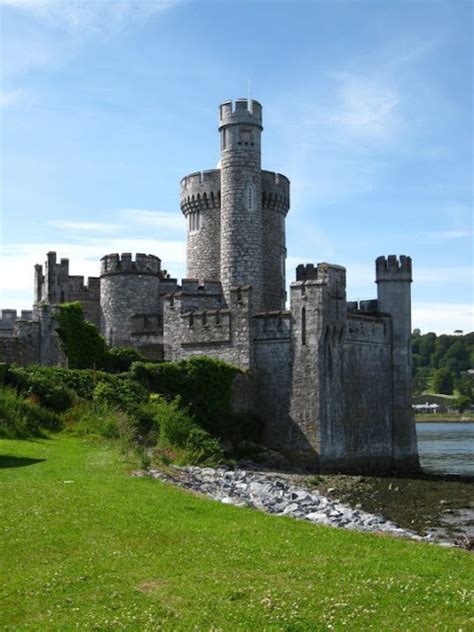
{"points": [[89, 15], [158, 219], [17, 262], [443, 318], [365, 106]]}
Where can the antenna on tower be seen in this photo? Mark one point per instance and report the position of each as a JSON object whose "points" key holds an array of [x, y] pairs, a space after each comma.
{"points": [[250, 85]]}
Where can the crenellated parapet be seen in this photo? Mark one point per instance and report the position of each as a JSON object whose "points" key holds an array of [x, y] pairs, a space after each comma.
{"points": [[201, 191], [275, 192], [126, 264], [242, 111], [393, 268]]}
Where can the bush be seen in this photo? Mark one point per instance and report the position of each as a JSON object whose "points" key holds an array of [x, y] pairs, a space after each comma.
{"points": [[180, 435], [203, 384], [21, 417], [119, 393], [120, 359], [38, 385]]}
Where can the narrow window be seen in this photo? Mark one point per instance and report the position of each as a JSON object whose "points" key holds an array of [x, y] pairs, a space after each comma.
{"points": [[194, 221], [224, 138], [303, 326], [250, 197]]}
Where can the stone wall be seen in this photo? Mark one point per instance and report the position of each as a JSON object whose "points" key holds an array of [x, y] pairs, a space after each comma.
{"points": [[273, 375], [224, 334]]}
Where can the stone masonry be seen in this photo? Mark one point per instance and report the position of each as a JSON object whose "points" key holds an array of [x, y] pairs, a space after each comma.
{"points": [[331, 379]]}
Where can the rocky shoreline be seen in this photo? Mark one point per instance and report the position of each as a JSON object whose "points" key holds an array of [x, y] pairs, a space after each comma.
{"points": [[281, 495]]}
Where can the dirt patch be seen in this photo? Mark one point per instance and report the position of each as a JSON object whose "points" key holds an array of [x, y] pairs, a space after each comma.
{"points": [[151, 585], [441, 505]]}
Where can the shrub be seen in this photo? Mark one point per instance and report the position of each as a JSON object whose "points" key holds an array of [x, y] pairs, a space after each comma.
{"points": [[47, 392], [180, 435], [174, 422], [203, 384], [119, 393], [120, 359], [21, 417]]}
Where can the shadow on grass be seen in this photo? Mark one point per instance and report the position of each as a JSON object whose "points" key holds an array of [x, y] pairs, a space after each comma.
{"points": [[17, 461]]}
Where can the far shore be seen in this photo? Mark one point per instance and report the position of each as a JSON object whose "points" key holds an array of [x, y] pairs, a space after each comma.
{"points": [[443, 418]]}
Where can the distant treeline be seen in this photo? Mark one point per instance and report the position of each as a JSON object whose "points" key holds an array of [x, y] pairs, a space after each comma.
{"points": [[441, 365]]}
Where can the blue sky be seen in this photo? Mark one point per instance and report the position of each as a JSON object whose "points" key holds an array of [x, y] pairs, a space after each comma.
{"points": [[106, 104]]}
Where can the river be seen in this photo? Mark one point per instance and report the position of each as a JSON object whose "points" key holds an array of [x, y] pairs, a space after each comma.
{"points": [[446, 448]]}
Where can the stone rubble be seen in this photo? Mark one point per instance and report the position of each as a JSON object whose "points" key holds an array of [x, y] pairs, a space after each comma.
{"points": [[279, 497]]}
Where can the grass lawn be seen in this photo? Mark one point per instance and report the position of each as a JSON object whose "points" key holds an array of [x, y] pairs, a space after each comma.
{"points": [[85, 546]]}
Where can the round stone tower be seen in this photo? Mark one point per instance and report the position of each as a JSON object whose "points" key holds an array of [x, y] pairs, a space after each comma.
{"points": [[128, 289], [236, 214], [241, 198], [200, 204]]}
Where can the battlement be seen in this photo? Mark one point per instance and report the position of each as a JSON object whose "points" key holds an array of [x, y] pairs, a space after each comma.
{"points": [[125, 264], [275, 191], [201, 190], [323, 274], [207, 327], [78, 287], [392, 268], [246, 111], [272, 326], [366, 306]]}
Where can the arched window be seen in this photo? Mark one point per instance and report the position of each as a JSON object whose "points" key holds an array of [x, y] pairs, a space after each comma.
{"points": [[250, 197], [194, 221]]}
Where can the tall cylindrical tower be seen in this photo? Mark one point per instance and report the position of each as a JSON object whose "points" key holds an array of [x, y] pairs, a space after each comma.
{"points": [[128, 288], [241, 258], [393, 278]]}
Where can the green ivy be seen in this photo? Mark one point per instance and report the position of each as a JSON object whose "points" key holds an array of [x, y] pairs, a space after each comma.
{"points": [[80, 340]]}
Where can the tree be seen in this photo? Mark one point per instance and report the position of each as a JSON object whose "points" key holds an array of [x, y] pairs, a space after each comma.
{"points": [[443, 381], [462, 403]]}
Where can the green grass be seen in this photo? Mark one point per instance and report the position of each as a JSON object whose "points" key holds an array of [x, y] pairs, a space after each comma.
{"points": [[85, 546]]}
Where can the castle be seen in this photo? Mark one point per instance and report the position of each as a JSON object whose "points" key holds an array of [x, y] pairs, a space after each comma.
{"points": [[331, 378]]}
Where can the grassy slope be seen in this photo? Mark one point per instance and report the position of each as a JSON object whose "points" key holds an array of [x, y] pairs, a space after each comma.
{"points": [[108, 551]]}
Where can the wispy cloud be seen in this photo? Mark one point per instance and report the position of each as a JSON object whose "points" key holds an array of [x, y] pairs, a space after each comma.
{"points": [[131, 220], [89, 15], [157, 219], [17, 261]]}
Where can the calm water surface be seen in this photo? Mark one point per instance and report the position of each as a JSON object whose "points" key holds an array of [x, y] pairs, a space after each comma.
{"points": [[446, 448]]}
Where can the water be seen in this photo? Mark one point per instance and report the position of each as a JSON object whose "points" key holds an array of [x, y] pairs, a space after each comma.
{"points": [[446, 448]]}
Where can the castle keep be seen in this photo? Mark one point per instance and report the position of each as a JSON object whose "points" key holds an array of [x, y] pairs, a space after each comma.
{"points": [[332, 379]]}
